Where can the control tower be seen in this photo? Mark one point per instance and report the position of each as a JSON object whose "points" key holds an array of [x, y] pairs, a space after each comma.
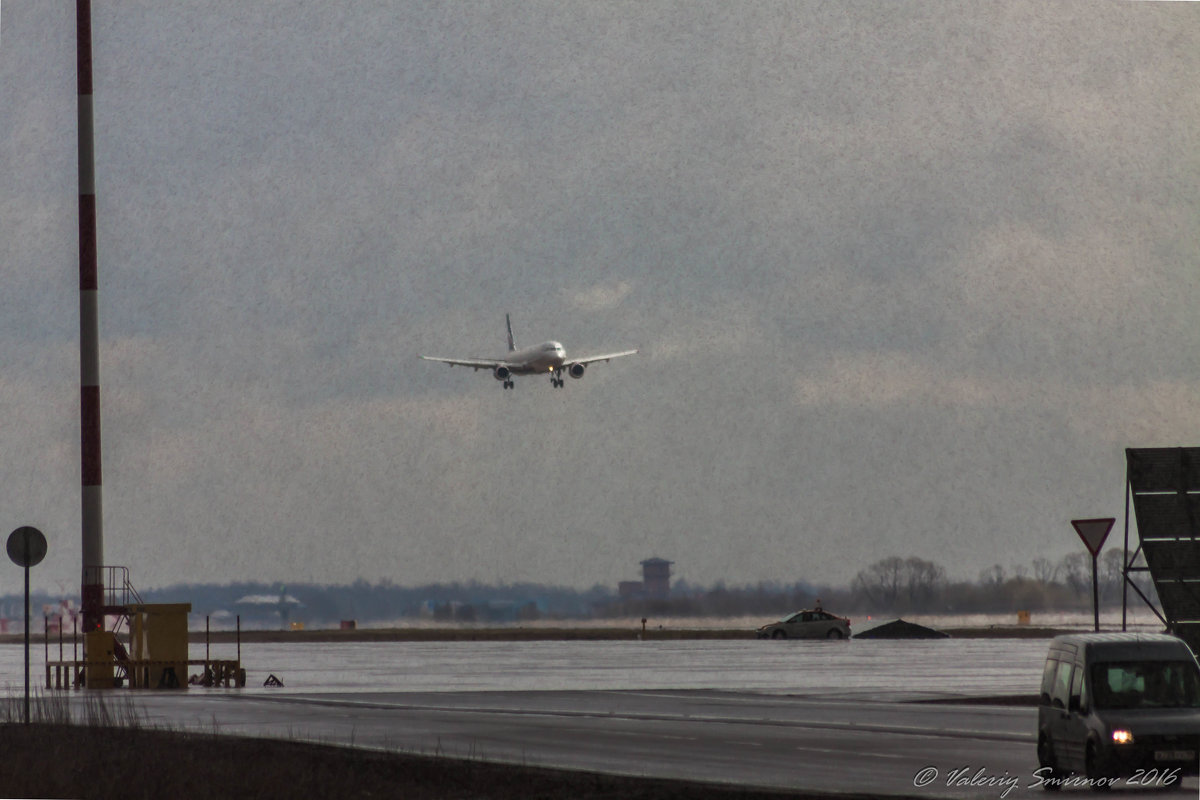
{"points": [[656, 578]]}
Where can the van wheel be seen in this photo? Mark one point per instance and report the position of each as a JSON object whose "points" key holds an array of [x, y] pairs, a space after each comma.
{"points": [[1095, 769], [1046, 759], [779, 635], [834, 634]]}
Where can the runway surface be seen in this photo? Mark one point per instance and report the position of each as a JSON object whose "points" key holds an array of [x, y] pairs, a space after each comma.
{"points": [[830, 716], [880, 747]]}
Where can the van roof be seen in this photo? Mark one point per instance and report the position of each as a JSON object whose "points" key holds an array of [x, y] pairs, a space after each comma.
{"points": [[1122, 645]]}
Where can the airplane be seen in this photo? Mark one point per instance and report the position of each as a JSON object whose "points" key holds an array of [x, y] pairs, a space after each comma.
{"points": [[547, 358]]}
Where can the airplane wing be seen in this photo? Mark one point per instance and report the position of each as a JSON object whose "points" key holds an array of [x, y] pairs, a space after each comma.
{"points": [[594, 359], [474, 363]]}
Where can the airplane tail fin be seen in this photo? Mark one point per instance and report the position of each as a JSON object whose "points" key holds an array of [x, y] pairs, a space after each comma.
{"points": [[511, 345]]}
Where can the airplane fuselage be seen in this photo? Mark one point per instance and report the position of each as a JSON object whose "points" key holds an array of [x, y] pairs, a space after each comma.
{"points": [[545, 357]]}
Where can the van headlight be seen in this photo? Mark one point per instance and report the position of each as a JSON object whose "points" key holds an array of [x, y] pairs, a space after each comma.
{"points": [[1122, 736]]}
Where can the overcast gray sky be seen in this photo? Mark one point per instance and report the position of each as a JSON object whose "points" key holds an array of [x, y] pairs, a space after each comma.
{"points": [[907, 278]]}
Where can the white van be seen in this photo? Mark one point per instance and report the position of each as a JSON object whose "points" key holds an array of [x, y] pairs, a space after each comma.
{"points": [[1115, 703]]}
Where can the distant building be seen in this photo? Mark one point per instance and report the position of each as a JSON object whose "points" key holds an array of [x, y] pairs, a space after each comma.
{"points": [[656, 578], [261, 605]]}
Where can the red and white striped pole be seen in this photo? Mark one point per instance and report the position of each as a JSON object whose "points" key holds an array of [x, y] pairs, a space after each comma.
{"points": [[92, 592]]}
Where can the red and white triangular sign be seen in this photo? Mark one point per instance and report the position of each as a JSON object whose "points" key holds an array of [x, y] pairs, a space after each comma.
{"points": [[1093, 532]]}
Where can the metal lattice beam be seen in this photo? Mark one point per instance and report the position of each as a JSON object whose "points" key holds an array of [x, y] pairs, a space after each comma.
{"points": [[1164, 484]]}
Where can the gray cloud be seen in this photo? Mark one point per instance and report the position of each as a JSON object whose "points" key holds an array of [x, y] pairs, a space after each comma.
{"points": [[907, 278]]}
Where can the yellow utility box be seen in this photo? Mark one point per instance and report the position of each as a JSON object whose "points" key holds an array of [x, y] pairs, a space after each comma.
{"points": [[100, 648], [159, 639]]}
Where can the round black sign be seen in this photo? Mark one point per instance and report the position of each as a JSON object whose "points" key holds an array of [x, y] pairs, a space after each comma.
{"points": [[26, 546]]}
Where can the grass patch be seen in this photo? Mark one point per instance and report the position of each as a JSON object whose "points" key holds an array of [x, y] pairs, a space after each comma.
{"points": [[55, 708], [128, 763]]}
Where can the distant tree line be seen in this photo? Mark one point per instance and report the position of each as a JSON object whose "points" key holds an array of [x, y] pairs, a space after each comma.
{"points": [[915, 585], [386, 601], [891, 586], [896, 586], [720, 600]]}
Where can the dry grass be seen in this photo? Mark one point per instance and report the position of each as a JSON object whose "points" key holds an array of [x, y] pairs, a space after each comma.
{"points": [[102, 750], [128, 763], [55, 708]]}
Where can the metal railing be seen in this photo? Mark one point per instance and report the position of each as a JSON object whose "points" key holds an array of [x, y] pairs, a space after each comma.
{"points": [[118, 591]]}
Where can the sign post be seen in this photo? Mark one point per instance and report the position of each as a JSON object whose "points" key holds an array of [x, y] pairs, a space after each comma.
{"points": [[27, 548], [1093, 532]]}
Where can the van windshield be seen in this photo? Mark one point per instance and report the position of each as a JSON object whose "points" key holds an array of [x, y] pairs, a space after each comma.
{"points": [[1145, 684]]}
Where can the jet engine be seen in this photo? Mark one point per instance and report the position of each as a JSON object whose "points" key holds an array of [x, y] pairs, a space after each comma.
{"points": [[503, 373], [576, 370]]}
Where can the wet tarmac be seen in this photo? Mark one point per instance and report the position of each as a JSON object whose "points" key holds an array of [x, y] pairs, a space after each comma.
{"points": [[835, 716]]}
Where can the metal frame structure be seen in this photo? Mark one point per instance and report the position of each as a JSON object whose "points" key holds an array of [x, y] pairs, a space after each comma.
{"points": [[1164, 487]]}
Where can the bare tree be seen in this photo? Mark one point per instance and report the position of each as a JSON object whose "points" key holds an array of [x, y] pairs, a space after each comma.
{"points": [[896, 582], [1112, 572], [882, 581], [924, 579], [1076, 572], [1044, 570], [993, 576]]}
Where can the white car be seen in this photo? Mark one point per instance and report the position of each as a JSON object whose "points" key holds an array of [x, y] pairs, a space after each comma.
{"points": [[814, 623]]}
